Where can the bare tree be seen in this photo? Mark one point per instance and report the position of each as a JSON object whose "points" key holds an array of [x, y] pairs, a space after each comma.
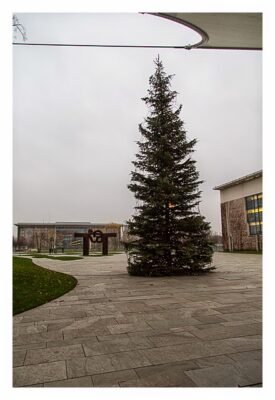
{"points": [[40, 238], [14, 243], [18, 27], [237, 226], [215, 238], [21, 243]]}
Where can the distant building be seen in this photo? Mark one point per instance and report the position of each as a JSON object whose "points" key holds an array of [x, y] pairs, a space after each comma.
{"points": [[60, 235], [242, 213]]}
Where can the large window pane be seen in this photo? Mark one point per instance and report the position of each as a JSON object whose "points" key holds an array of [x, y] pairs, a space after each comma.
{"points": [[254, 213]]}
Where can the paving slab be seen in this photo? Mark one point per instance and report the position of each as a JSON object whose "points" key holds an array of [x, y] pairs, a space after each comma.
{"points": [[58, 324], [29, 327], [167, 375], [26, 346], [39, 373], [187, 351], [124, 328], [115, 379], [241, 322], [116, 330], [251, 370], [36, 337], [69, 342], [215, 331], [37, 356], [237, 308], [218, 376], [37, 385], [84, 332], [214, 361], [103, 338], [167, 339], [19, 357], [209, 319], [172, 323], [91, 323], [106, 363], [115, 346], [247, 355], [245, 343], [85, 381]]}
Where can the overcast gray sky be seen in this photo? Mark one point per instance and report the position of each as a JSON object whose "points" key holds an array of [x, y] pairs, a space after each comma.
{"points": [[76, 113]]}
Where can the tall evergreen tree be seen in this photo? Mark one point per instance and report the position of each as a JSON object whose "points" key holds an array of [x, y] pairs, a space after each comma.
{"points": [[171, 237]]}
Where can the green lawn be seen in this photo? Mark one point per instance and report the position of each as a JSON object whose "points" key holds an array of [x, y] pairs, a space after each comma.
{"points": [[244, 252], [34, 285], [111, 253], [61, 258]]}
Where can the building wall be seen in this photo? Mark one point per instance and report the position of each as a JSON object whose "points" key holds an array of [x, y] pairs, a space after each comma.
{"points": [[44, 237], [235, 229], [242, 190]]}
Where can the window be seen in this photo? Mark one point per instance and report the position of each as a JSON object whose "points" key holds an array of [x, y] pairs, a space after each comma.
{"points": [[254, 213]]}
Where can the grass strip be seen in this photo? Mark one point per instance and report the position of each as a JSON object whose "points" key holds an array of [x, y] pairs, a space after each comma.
{"points": [[61, 258], [34, 285], [243, 252]]}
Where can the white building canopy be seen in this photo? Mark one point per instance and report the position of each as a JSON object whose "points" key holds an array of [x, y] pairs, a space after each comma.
{"points": [[241, 31]]}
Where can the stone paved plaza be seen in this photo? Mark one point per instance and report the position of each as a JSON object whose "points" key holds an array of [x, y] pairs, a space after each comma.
{"points": [[118, 330]]}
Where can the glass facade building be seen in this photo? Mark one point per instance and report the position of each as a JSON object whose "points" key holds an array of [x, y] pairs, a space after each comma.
{"points": [[242, 212], [61, 235], [254, 213]]}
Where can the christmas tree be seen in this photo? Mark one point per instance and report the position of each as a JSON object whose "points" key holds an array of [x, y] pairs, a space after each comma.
{"points": [[169, 236]]}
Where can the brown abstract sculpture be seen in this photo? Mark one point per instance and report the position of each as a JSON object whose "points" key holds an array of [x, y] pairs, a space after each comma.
{"points": [[95, 237]]}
